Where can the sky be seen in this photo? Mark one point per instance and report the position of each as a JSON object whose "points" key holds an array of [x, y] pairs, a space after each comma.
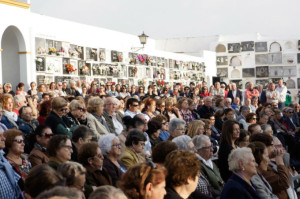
{"points": [[162, 19]]}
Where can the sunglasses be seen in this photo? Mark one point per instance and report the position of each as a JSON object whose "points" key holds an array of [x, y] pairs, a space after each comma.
{"points": [[164, 123], [19, 141], [81, 109], [291, 112], [254, 118], [63, 109], [100, 156], [135, 105], [48, 135]]}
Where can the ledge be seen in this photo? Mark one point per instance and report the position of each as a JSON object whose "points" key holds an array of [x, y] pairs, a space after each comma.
{"points": [[24, 52], [15, 3]]}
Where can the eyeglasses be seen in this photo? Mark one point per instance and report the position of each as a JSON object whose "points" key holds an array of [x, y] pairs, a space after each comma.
{"points": [[81, 109], [100, 156], [68, 147], [179, 129], [254, 118], [142, 143], [165, 123], [291, 112], [48, 135], [111, 104], [135, 105], [207, 147], [117, 145], [63, 109], [19, 141]]}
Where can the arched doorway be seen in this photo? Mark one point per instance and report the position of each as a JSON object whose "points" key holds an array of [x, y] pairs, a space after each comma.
{"points": [[13, 67]]}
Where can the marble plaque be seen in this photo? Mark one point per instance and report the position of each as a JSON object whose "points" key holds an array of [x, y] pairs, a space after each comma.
{"points": [[261, 46], [262, 71]]}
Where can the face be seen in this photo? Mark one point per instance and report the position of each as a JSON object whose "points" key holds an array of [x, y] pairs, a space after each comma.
{"points": [[265, 160], [45, 137], [27, 114], [206, 152], [7, 87], [217, 85], [134, 107], [79, 183], [253, 119], [185, 104], [264, 119], [100, 109], [212, 120], [207, 102], [2, 140], [250, 166], [18, 145], [257, 129], [180, 130], [254, 101], [8, 106], [230, 115], [63, 111], [158, 191], [165, 126], [115, 148], [201, 102], [236, 131], [162, 107], [156, 134], [139, 147], [208, 131], [289, 113], [272, 87], [250, 86], [201, 130], [64, 153], [237, 101], [110, 105], [247, 102], [97, 160], [152, 107]]}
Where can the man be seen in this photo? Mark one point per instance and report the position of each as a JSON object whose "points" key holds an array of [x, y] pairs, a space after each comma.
{"points": [[209, 169], [250, 92], [227, 103], [254, 128], [20, 101], [9, 188], [113, 92], [73, 90], [65, 89], [81, 135], [262, 98], [236, 105], [254, 104], [234, 92], [132, 106], [272, 94], [218, 92], [288, 120], [245, 110], [113, 119], [176, 128], [206, 109], [148, 149], [187, 92], [282, 90]]}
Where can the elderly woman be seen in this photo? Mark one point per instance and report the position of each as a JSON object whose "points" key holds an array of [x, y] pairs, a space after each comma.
{"points": [[55, 120], [230, 133], [90, 156], [196, 127], [184, 142], [74, 174], [251, 118], [14, 144], [261, 155], [243, 165], [184, 110], [183, 171], [111, 148], [107, 192], [176, 128], [267, 128], [7, 89], [59, 149], [77, 112], [149, 109], [209, 169], [135, 145], [95, 120], [171, 111], [153, 132], [145, 181]]}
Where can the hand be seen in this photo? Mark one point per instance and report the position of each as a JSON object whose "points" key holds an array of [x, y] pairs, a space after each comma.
{"points": [[279, 156]]}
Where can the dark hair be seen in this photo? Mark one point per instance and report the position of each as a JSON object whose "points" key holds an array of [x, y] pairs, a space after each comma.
{"points": [[219, 113], [86, 151], [40, 129], [44, 108], [249, 117], [153, 126], [227, 131], [44, 94], [226, 111], [55, 143], [81, 131], [10, 135], [130, 102], [161, 150], [137, 121], [128, 122], [251, 128], [258, 149], [134, 136], [21, 84], [243, 134], [262, 137], [40, 178]]}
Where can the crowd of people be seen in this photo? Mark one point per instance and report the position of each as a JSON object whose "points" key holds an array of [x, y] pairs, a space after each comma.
{"points": [[114, 141]]}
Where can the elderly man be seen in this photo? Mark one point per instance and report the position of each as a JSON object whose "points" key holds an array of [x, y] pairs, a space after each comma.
{"points": [[148, 149], [234, 92], [132, 106], [205, 109], [113, 119], [9, 188], [250, 92], [209, 169], [245, 110], [262, 98], [218, 92], [227, 103], [176, 128], [20, 101], [254, 104], [73, 89], [282, 90], [272, 94]]}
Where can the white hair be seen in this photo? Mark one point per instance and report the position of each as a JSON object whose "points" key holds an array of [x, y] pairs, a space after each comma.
{"points": [[266, 128], [237, 155], [199, 140], [19, 98], [174, 123], [105, 142], [182, 142]]}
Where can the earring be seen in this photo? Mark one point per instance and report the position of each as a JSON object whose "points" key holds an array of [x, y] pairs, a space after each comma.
{"points": [[243, 169]]}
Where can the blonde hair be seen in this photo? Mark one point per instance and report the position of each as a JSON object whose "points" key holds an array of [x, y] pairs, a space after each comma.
{"points": [[194, 127], [76, 104], [93, 104], [71, 171]]}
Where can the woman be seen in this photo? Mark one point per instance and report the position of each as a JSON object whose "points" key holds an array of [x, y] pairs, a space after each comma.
{"points": [[121, 105], [229, 114], [204, 92], [124, 92], [7, 89], [84, 92], [59, 149], [230, 133], [93, 88], [171, 111], [196, 127], [102, 90], [261, 155], [141, 91], [144, 181], [243, 165], [77, 112], [52, 89], [111, 148], [153, 132], [94, 117], [41, 90], [184, 110], [163, 135], [219, 119], [160, 106], [251, 118], [129, 124], [44, 111], [219, 104], [183, 171], [107, 192], [14, 144], [133, 91], [32, 90], [90, 156], [149, 109], [243, 140], [10, 118], [193, 104], [74, 174], [135, 145], [55, 121], [20, 89]]}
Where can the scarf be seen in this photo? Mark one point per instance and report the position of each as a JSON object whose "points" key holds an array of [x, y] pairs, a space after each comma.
{"points": [[11, 115]]}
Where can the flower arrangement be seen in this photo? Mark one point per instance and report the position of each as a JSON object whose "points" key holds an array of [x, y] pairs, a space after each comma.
{"points": [[61, 52], [102, 56], [39, 60], [70, 68], [155, 75], [149, 60], [52, 51], [85, 70], [120, 57], [160, 83], [142, 58], [133, 70], [41, 50]]}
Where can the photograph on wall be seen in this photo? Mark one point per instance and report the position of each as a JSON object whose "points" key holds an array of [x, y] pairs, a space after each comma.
{"points": [[275, 58], [65, 46], [114, 56], [40, 79], [53, 64], [40, 63], [222, 60], [238, 82], [263, 82], [102, 54], [222, 72], [290, 84], [96, 69], [58, 79], [58, 46], [290, 58], [248, 72], [234, 47], [261, 59], [261, 46], [66, 66], [247, 45], [289, 71], [262, 71], [40, 46], [275, 71], [91, 54]]}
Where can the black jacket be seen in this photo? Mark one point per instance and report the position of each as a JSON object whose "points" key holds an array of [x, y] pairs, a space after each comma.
{"points": [[263, 98], [204, 111], [238, 94]]}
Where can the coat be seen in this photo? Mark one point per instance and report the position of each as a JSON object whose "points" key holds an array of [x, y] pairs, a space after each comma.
{"points": [[238, 94], [262, 99], [96, 126], [237, 188], [224, 152], [38, 157], [203, 111], [263, 188], [109, 121], [57, 125], [213, 176], [114, 172], [130, 158]]}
